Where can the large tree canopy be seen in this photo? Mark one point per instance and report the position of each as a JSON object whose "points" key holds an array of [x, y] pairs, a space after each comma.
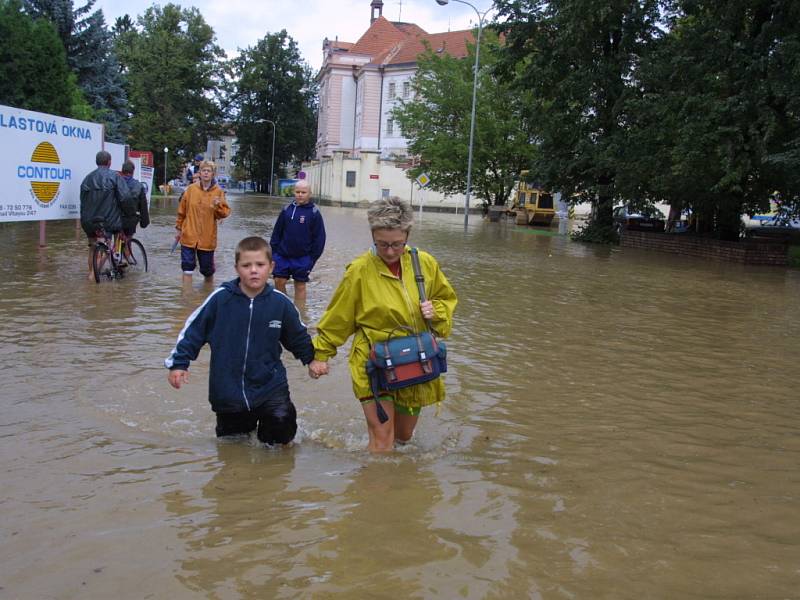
{"points": [[174, 70], [437, 122], [691, 102], [273, 83], [718, 126], [578, 58], [33, 66], [91, 57]]}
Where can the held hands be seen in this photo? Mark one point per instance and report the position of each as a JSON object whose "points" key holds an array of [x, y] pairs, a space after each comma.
{"points": [[177, 378], [427, 309], [317, 368]]}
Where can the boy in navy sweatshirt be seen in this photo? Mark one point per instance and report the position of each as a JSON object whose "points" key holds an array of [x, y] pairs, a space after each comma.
{"points": [[245, 321], [298, 239]]}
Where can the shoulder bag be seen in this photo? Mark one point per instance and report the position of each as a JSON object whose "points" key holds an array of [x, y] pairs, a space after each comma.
{"points": [[405, 360]]}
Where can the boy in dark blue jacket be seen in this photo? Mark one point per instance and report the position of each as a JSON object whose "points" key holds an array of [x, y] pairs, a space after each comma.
{"points": [[297, 241], [245, 321]]}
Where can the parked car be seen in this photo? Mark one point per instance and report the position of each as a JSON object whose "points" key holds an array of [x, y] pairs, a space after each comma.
{"points": [[760, 222], [648, 218]]}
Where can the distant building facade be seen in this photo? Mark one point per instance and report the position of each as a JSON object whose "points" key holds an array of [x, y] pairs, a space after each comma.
{"points": [[222, 152], [359, 86], [360, 83]]}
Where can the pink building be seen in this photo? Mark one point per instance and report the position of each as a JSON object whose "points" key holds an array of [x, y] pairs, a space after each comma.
{"points": [[361, 82]]}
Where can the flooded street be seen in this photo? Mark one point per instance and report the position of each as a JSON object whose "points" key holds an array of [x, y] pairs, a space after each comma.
{"points": [[620, 424]]}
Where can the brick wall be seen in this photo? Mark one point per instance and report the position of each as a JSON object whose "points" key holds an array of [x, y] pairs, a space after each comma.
{"points": [[745, 251]]}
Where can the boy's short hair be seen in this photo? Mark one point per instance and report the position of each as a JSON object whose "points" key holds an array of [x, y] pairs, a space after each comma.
{"points": [[253, 244], [128, 167]]}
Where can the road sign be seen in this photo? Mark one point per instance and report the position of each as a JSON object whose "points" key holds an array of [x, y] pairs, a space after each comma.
{"points": [[423, 180]]}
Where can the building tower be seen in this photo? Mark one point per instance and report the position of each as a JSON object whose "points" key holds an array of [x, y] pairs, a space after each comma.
{"points": [[376, 6]]}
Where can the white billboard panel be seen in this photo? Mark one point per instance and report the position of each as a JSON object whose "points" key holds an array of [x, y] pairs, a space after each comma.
{"points": [[43, 159], [143, 174], [117, 152]]}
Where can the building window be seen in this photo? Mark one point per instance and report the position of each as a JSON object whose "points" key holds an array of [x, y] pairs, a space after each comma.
{"points": [[392, 92], [406, 90], [389, 126], [350, 179], [385, 193]]}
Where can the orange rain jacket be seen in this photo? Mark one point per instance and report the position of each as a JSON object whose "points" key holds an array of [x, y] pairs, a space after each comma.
{"points": [[197, 216]]}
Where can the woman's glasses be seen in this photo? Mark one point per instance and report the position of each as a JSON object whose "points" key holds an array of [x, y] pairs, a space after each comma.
{"points": [[393, 245]]}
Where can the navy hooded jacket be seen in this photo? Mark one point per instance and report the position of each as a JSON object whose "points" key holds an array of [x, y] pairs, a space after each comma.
{"points": [[245, 336], [299, 231]]}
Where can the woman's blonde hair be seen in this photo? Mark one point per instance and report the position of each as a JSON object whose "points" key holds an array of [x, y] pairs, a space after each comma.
{"points": [[391, 213], [209, 163]]}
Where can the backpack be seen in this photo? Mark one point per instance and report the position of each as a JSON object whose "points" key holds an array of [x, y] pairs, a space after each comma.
{"points": [[129, 205]]}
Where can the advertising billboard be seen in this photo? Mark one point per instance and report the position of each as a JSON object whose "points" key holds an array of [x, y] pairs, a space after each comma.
{"points": [[43, 159]]}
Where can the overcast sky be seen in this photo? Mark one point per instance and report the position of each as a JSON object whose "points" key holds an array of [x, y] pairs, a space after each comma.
{"points": [[241, 23]]}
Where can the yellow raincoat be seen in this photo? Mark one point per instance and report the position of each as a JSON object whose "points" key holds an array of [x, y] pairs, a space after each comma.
{"points": [[369, 303]]}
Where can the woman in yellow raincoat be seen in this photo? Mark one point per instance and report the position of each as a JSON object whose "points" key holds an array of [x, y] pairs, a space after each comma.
{"points": [[377, 295]]}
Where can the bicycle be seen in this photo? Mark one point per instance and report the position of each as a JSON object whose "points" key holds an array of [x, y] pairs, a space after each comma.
{"points": [[115, 259]]}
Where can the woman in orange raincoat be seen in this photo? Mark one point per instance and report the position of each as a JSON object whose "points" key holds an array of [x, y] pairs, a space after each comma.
{"points": [[201, 206]]}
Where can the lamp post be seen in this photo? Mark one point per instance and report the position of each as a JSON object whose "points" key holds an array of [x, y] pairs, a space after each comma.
{"points": [[166, 152], [272, 157], [474, 100]]}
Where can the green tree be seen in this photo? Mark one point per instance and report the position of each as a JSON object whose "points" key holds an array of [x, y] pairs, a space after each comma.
{"points": [[174, 69], [273, 82], [91, 57], [33, 65], [718, 126], [437, 122], [579, 59]]}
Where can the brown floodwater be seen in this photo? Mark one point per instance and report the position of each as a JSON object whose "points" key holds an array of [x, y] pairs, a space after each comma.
{"points": [[620, 424]]}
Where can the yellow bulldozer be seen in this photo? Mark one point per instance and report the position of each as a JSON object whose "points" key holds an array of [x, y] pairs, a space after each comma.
{"points": [[532, 205]]}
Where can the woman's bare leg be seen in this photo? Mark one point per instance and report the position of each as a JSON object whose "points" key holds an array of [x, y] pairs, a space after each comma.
{"points": [[381, 435], [404, 427]]}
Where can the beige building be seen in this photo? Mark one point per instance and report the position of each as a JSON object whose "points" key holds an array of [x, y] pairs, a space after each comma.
{"points": [[222, 152], [359, 146]]}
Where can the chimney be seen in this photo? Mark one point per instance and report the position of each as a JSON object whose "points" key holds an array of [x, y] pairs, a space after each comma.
{"points": [[377, 7]]}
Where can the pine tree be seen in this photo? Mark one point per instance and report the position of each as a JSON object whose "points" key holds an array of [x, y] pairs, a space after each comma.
{"points": [[33, 65], [90, 55]]}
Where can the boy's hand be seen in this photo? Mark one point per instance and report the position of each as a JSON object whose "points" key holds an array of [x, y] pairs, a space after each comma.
{"points": [[177, 378], [317, 368]]}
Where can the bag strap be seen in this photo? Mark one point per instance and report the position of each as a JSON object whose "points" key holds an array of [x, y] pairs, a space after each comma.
{"points": [[420, 279]]}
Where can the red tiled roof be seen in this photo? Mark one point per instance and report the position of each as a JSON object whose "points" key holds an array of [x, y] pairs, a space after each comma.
{"points": [[453, 43], [411, 28], [380, 36], [387, 42]]}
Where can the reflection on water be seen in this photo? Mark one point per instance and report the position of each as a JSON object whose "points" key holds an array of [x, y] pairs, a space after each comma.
{"points": [[620, 424]]}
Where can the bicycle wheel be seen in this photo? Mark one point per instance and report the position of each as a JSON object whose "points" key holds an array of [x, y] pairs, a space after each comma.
{"points": [[102, 262], [136, 256]]}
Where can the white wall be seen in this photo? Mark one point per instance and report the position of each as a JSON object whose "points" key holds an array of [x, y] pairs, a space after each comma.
{"points": [[328, 178]]}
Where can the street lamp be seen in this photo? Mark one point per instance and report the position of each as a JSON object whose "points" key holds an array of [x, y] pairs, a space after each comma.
{"points": [[474, 100], [272, 158], [166, 152]]}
